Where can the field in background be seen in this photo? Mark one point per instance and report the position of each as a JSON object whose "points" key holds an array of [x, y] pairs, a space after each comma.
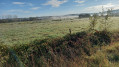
{"points": [[24, 32]]}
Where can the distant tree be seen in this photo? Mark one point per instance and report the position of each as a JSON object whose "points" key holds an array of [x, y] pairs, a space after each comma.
{"points": [[8, 18], [84, 15], [32, 18], [15, 18]]}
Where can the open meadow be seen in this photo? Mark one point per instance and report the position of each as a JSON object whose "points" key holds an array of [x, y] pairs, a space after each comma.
{"points": [[60, 43], [16, 33], [59, 33]]}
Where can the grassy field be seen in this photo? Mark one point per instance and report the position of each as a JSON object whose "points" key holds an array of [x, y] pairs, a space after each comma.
{"points": [[54, 47], [25, 32]]}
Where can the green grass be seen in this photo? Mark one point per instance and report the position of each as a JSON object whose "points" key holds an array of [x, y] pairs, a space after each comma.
{"points": [[79, 49], [25, 32], [71, 50]]}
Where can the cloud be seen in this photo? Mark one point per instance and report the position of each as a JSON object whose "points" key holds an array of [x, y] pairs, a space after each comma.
{"points": [[22, 3], [18, 3], [55, 3], [30, 4], [18, 11], [80, 5], [78, 1], [35, 8], [98, 8]]}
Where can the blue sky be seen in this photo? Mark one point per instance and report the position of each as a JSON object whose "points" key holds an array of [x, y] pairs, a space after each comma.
{"points": [[33, 8]]}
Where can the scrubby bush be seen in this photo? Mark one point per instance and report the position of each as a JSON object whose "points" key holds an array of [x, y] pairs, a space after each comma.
{"points": [[100, 37], [47, 51], [113, 54], [4, 54], [98, 60]]}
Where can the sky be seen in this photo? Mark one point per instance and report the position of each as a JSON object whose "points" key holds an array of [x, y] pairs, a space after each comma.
{"points": [[36, 8]]}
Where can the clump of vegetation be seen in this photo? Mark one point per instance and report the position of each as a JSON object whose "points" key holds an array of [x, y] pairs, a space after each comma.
{"points": [[51, 52], [101, 38], [98, 60], [4, 54]]}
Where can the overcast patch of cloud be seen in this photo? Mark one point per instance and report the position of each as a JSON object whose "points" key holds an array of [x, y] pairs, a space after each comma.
{"points": [[35, 8], [79, 1], [98, 8], [18, 3], [55, 3], [18, 11], [22, 3]]}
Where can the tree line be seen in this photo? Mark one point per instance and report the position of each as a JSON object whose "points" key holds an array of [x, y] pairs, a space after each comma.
{"points": [[14, 18]]}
